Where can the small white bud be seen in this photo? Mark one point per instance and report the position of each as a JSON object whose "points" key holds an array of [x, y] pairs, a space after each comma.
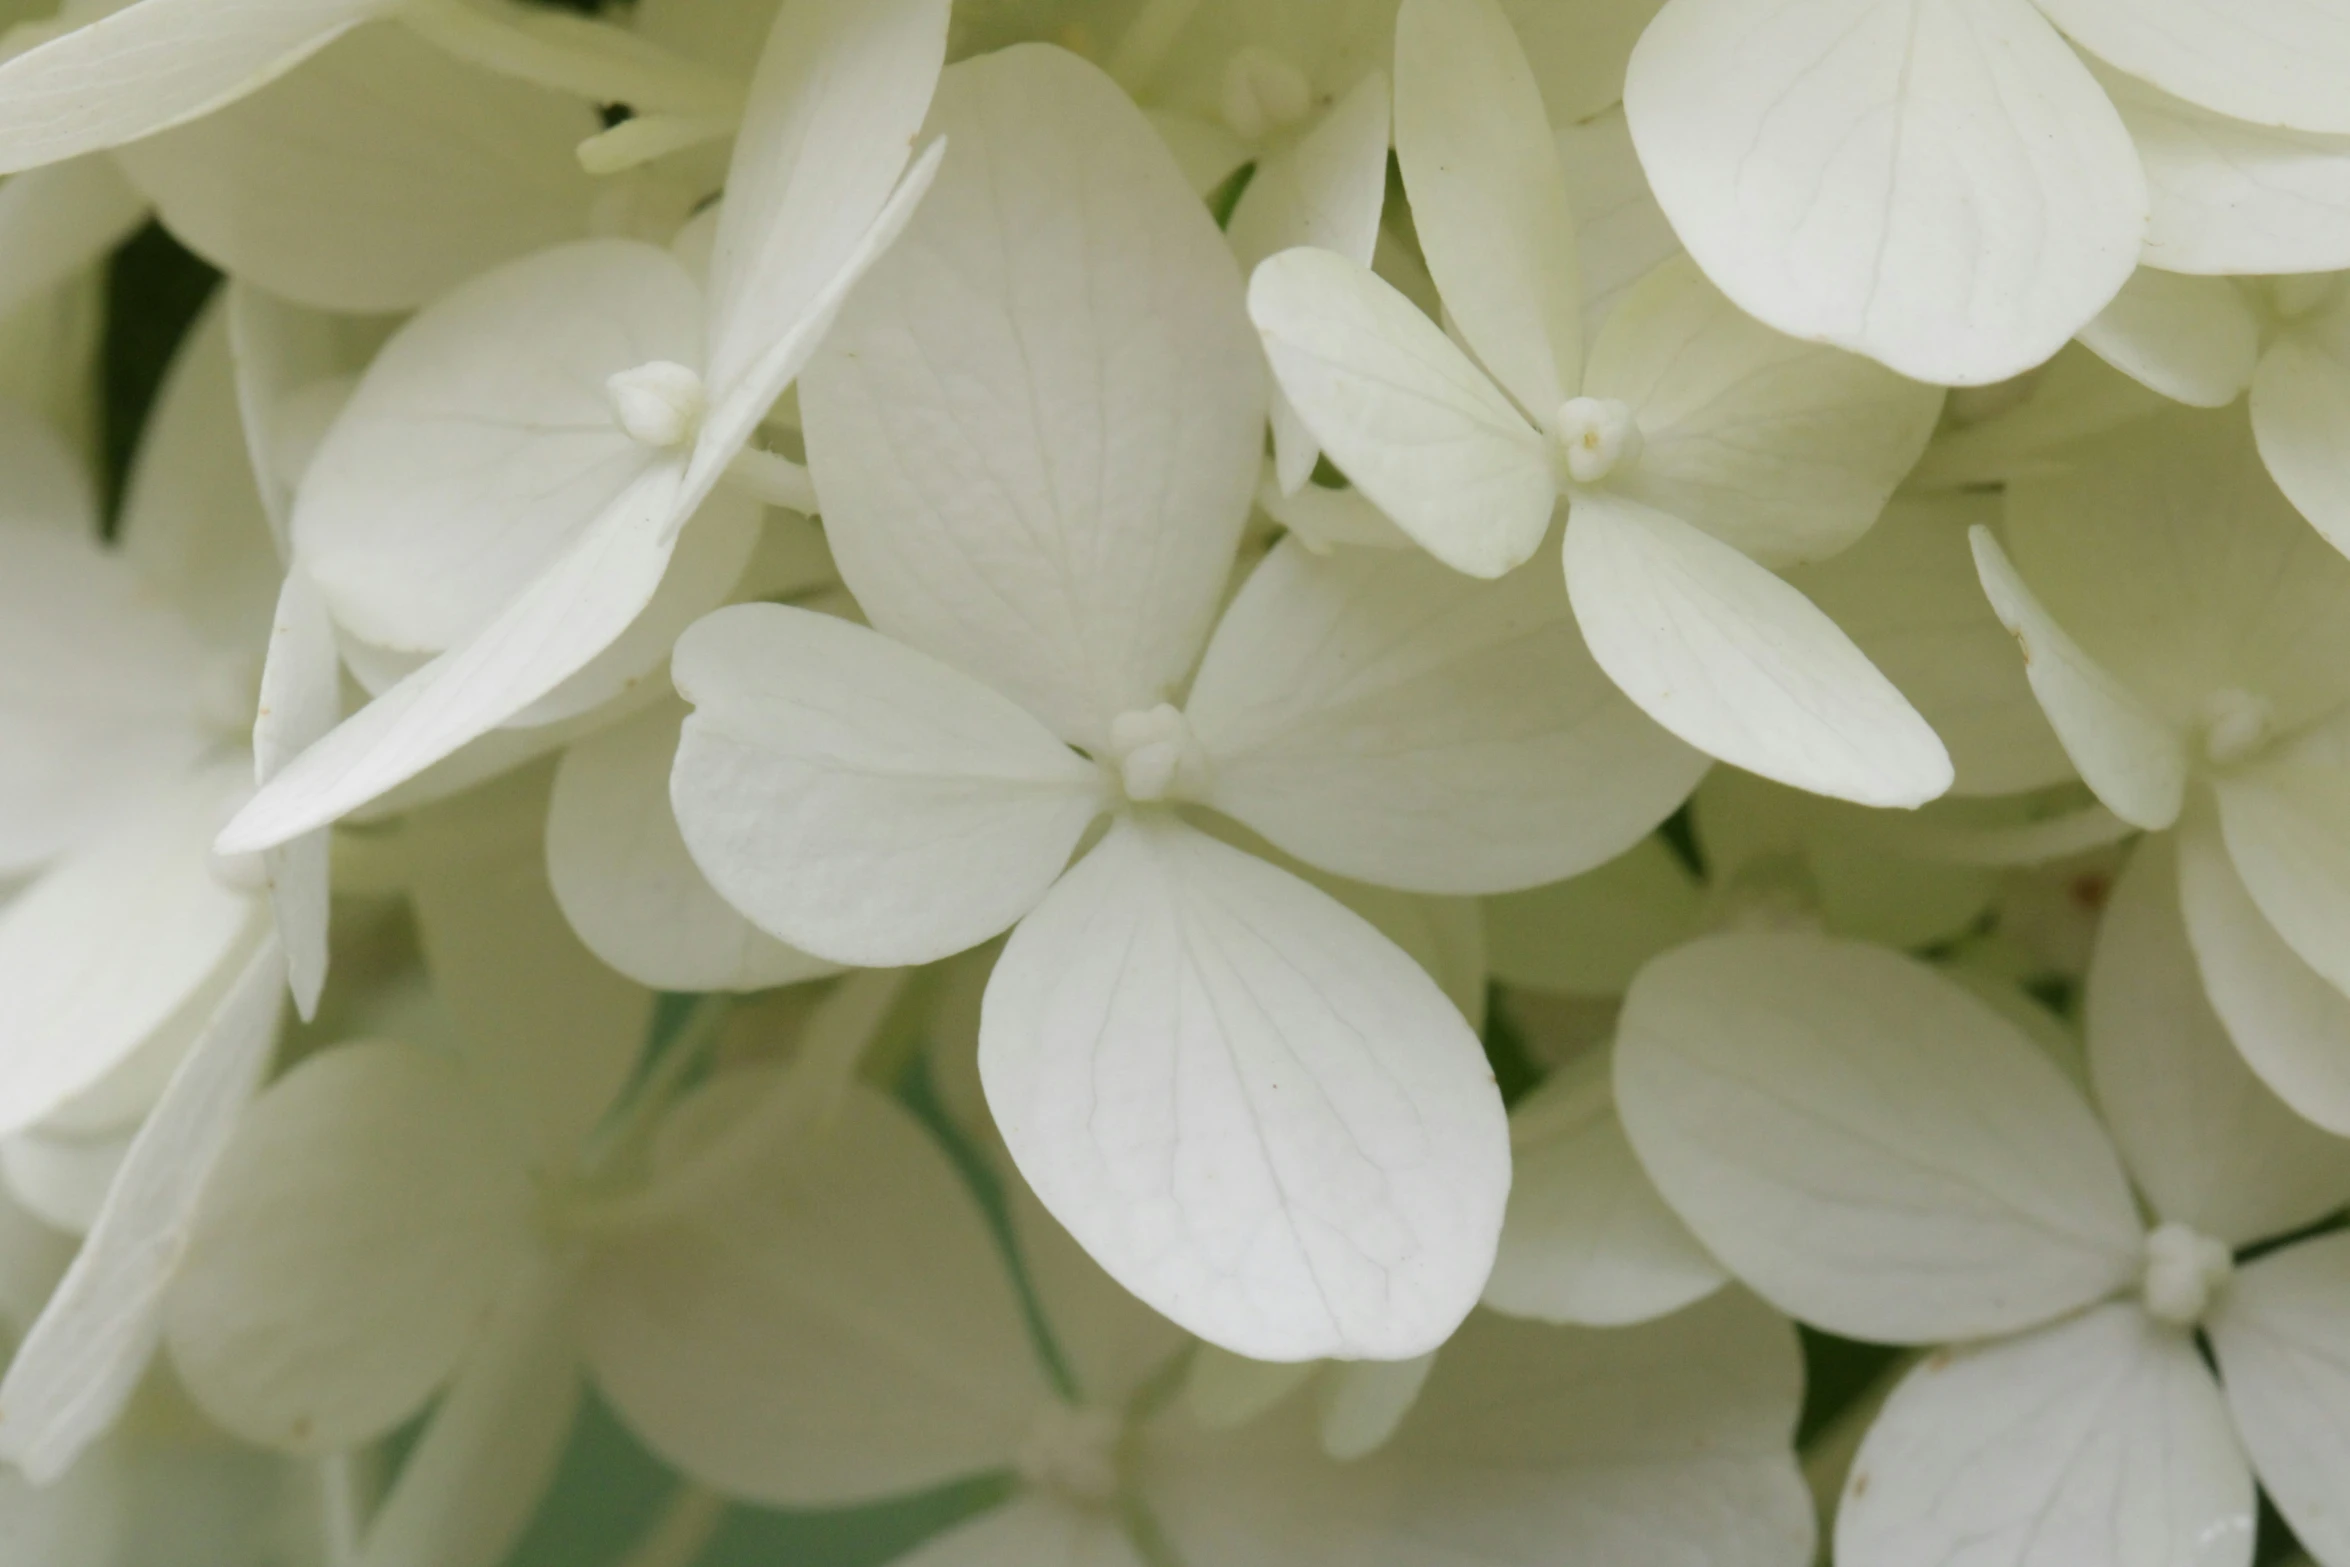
{"points": [[659, 403], [1155, 752], [2185, 1269], [1263, 93], [1595, 436]]}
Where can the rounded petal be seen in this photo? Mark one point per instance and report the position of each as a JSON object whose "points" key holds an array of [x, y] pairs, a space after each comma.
{"points": [[1048, 498], [1591, 934], [1418, 428], [1737, 663], [626, 882], [860, 800], [2272, 62], [835, 1328], [2286, 819], [1489, 199], [357, 1233], [1620, 233], [2301, 418], [378, 176], [1866, 1143], [1941, 186], [1250, 1108], [2101, 1439], [2194, 340], [2233, 198], [2278, 1337], [1783, 449], [1587, 1239], [2206, 1141], [1389, 720]]}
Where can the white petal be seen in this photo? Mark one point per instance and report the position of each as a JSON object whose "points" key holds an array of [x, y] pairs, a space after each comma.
{"points": [[295, 369], [59, 220], [1386, 719], [1908, 596], [1363, 1401], [626, 883], [100, 954], [301, 698], [1620, 233], [2195, 340], [2072, 398], [1046, 497], [2291, 1025], [1590, 935], [470, 1485], [2135, 761], [1783, 449], [99, 687], [1416, 426], [1489, 200], [550, 1034], [1587, 1239], [1031, 1530], [2233, 197], [482, 440], [1325, 190], [62, 1176], [1941, 186], [2208, 1144], [83, 1358], [355, 1237], [1111, 1343], [154, 64], [584, 601], [375, 178], [2301, 415], [2165, 549], [1739, 664], [857, 799], [2099, 1440], [839, 94], [2287, 823], [1248, 1107], [2273, 62], [2278, 1335], [1866, 1143], [836, 1329], [1222, 1390]]}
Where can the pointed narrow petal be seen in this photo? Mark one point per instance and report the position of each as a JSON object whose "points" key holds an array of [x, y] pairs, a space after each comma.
{"points": [[2135, 762], [839, 93], [860, 800], [155, 64], [301, 699], [626, 881], [2193, 339], [1047, 498], [1941, 186], [2206, 1141], [2291, 1025], [1386, 719], [2279, 1338], [357, 1233], [80, 1362], [1737, 663], [1866, 1143], [2287, 824], [555, 627], [1250, 1108], [2272, 62], [1416, 426], [1489, 199], [1587, 1238], [834, 1328], [1783, 449], [2101, 1439]]}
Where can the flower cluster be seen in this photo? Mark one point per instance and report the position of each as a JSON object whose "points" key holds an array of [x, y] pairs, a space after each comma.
{"points": [[1176, 783]]}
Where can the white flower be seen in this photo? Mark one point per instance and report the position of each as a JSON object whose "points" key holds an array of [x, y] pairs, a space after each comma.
{"points": [[1879, 1153], [1696, 449], [544, 586]]}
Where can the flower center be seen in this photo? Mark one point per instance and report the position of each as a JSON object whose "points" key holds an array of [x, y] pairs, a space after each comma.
{"points": [[1595, 436], [2235, 724], [659, 402], [2184, 1270], [1263, 93], [1156, 753], [1072, 1453]]}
